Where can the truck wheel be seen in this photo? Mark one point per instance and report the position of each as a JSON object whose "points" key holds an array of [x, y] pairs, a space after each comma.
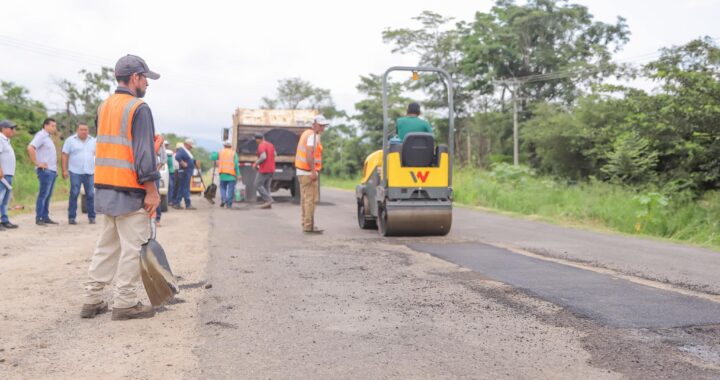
{"points": [[295, 190], [163, 203], [83, 203]]}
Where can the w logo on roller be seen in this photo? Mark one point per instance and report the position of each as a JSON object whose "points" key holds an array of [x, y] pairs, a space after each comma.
{"points": [[420, 175]]}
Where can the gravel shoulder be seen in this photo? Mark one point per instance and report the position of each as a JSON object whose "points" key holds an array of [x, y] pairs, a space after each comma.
{"points": [[43, 337]]}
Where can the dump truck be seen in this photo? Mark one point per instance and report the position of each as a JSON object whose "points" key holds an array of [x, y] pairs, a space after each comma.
{"points": [[282, 128]]}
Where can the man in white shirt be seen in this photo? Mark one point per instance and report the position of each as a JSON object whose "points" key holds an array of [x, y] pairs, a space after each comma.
{"points": [[7, 171], [78, 163]]}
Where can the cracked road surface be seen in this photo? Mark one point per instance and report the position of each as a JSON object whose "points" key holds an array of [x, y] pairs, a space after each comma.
{"points": [[259, 300]]}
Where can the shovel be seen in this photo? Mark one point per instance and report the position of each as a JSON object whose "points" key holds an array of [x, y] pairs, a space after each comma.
{"points": [[159, 281], [211, 190]]}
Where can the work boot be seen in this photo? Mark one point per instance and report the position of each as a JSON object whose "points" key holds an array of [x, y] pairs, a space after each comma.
{"points": [[315, 231], [266, 205], [222, 204], [90, 310], [190, 208], [138, 311], [50, 221], [72, 222], [177, 207], [9, 225], [92, 221], [41, 223]]}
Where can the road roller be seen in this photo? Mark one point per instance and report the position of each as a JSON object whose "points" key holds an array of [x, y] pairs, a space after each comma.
{"points": [[413, 196]]}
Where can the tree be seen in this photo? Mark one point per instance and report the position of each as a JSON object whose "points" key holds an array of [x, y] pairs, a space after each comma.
{"points": [[370, 109], [540, 38], [295, 93], [82, 102]]}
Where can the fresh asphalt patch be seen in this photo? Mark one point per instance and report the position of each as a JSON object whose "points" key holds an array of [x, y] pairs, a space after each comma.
{"points": [[606, 299]]}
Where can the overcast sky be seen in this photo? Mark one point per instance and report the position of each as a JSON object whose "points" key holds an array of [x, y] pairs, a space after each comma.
{"points": [[215, 56]]}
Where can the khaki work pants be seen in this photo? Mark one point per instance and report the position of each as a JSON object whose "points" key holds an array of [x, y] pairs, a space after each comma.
{"points": [[118, 255], [309, 195]]}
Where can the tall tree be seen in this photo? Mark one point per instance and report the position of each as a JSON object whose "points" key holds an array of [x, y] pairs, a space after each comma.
{"points": [[370, 109], [540, 38], [83, 100], [296, 93]]}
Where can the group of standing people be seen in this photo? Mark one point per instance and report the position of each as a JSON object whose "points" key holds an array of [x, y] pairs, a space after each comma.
{"points": [[77, 164], [125, 174]]}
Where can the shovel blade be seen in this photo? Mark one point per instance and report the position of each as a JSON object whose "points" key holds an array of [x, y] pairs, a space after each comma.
{"points": [[160, 283]]}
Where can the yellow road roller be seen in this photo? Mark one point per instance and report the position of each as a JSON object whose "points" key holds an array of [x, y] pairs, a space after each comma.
{"points": [[413, 197]]}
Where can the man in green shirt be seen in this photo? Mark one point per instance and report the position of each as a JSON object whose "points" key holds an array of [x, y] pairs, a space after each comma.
{"points": [[229, 173], [412, 122]]}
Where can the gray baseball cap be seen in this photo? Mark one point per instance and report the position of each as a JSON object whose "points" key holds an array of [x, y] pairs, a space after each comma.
{"points": [[131, 64], [7, 124]]}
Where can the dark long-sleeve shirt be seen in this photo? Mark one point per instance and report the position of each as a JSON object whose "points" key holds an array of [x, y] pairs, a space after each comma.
{"points": [[118, 202]]}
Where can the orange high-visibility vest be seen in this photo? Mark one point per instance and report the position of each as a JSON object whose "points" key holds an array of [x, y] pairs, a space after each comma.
{"points": [[114, 159], [226, 162], [303, 150]]}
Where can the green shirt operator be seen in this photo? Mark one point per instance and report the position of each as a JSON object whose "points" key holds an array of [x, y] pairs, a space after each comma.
{"points": [[412, 122]]}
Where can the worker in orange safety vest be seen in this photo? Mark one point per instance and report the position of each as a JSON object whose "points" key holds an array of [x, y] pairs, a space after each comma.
{"points": [[308, 163]]}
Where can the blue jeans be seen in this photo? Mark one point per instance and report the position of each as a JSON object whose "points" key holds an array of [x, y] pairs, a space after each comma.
{"points": [[47, 185], [227, 192], [171, 188], [87, 181], [5, 199], [184, 191]]}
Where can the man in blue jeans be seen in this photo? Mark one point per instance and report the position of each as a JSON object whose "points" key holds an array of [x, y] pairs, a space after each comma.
{"points": [[43, 154], [78, 163], [186, 162], [7, 171]]}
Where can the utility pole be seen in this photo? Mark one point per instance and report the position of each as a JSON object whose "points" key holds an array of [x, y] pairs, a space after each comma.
{"points": [[513, 85], [516, 149]]}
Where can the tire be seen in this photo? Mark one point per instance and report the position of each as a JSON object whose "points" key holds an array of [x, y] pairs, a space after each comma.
{"points": [[163, 203], [363, 222], [83, 204], [382, 220], [295, 190]]}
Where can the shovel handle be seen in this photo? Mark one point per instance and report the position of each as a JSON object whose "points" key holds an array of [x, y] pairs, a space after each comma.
{"points": [[153, 228]]}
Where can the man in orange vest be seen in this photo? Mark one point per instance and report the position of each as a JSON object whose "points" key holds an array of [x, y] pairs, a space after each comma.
{"points": [[127, 195], [308, 163], [229, 169]]}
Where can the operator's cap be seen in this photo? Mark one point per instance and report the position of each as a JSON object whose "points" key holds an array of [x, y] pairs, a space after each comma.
{"points": [[320, 119], [179, 145], [166, 143], [259, 135], [131, 64], [190, 142], [227, 143], [7, 124]]}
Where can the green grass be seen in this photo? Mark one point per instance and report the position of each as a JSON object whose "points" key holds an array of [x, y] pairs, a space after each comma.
{"points": [[339, 183], [594, 204]]}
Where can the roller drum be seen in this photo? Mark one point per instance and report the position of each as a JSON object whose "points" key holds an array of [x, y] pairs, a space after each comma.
{"points": [[415, 220]]}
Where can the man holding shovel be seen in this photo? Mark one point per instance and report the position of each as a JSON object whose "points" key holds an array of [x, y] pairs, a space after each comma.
{"points": [[127, 196]]}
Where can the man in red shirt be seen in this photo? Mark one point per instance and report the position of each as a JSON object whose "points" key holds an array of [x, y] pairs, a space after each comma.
{"points": [[265, 166]]}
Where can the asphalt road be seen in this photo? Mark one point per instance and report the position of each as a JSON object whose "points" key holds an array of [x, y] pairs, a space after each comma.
{"points": [[349, 304]]}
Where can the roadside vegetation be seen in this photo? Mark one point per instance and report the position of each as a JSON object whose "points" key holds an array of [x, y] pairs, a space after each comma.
{"points": [[592, 149]]}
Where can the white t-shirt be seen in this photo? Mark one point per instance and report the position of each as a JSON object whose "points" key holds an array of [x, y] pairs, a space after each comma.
{"points": [[310, 142], [7, 156]]}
